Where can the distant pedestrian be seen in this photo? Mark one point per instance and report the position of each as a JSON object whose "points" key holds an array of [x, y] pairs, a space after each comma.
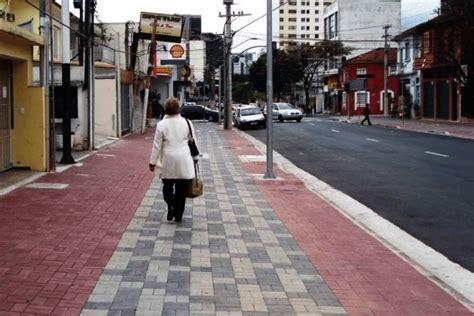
{"points": [[171, 157], [366, 114]]}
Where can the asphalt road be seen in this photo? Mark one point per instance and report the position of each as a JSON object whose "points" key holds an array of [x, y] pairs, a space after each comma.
{"points": [[422, 183]]}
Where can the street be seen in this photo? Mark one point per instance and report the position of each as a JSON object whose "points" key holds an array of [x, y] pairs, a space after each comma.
{"points": [[422, 183]]}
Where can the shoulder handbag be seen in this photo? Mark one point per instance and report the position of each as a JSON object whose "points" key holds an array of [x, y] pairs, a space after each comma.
{"points": [[191, 143], [195, 186]]}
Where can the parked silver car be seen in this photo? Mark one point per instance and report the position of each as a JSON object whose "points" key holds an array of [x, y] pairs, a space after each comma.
{"points": [[249, 116], [286, 112]]}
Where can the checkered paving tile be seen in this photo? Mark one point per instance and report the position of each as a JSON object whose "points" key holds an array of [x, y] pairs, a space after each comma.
{"points": [[231, 255]]}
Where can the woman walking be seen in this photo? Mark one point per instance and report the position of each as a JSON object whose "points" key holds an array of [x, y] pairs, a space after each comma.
{"points": [[171, 157]]}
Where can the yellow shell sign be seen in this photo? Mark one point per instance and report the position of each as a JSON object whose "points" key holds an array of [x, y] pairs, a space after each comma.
{"points": [[177, 51]]}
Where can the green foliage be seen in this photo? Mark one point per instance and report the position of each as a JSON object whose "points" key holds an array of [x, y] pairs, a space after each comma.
{"points": [[286, 71], [241, 92], [312, 57]]}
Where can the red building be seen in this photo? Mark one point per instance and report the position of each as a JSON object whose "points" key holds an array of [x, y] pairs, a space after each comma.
{"points": [[367, 72], [440, 62]]}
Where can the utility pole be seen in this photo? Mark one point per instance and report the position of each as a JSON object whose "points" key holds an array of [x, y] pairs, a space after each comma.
{"points": [[149, 73], [269, 173], [89, 69], [220, 96], [228, 62], [386, 36], [66, 81], [49, 117]]}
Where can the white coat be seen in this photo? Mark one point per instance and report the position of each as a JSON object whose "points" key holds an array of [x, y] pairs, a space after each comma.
{"points": [[170, 152]]}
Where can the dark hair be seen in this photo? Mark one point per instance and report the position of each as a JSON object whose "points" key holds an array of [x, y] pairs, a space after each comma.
{"points": [[171, 106]]}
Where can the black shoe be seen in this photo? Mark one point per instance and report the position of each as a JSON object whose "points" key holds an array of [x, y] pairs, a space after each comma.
{"points": [[170, 215], [178, 220]]}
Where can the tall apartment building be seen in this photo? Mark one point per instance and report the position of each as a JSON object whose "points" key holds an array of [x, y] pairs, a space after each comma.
{"points": [[301, 20]]}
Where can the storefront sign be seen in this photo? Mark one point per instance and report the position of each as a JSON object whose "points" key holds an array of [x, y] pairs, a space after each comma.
{"points": [[185, 71], [177, 51], [169, 28]]}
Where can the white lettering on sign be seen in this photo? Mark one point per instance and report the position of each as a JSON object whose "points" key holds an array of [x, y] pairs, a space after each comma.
{"points": [[4, 92]]}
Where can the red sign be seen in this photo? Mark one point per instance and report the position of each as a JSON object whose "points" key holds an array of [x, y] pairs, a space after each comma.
{"points": [[177, 51]]}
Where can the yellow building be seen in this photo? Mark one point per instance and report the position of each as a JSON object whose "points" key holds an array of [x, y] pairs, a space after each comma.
{"points": [[22, 104]]}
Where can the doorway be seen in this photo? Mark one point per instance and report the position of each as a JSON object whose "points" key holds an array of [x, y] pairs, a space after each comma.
{"points": [[5, 115]]}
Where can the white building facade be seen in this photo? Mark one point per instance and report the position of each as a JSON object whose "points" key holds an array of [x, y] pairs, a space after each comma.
{"points": [[359, 23], [301, 20]]}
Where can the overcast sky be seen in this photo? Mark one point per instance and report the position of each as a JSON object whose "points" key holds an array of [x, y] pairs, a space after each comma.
{"points": [[124, 10], [413, 11]]}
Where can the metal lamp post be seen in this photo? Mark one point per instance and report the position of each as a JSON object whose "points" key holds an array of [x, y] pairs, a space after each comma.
{"points": [[269, 173]]}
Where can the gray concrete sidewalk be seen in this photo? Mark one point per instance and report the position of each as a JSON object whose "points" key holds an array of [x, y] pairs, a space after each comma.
{"points": [[231, 255]]}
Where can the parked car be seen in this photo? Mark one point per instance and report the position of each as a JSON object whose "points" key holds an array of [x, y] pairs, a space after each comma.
{"points": [[199, 112], [249, 116], [286, 112]]}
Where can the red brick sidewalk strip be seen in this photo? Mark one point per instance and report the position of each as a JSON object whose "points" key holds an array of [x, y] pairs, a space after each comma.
{"points": [[54, 244], [366, 277]]}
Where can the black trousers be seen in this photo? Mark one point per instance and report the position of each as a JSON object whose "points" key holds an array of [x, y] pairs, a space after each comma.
{"points": [[367, 118], [174, 193]]}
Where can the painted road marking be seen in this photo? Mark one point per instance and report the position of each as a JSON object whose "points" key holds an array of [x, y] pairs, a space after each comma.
{"points": [[312, 124], [335, 131], [372, 140], [436, 154]]}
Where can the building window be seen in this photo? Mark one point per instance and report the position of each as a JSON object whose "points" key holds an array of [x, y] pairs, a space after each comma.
{"points": [[291, 19], [316, 28], [292, 11], [362, 98], [57, 43], [282, 27], [316, 35], [361, 73], [427, 42], [303, 11], [407, 51], [303, 19], [292, 27], [282, 11], [330, 27], [282, 19], [316, 11], [291, 35]]}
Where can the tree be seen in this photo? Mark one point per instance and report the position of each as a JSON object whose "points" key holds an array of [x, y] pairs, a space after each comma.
{"points": [[241, 89], [312, 57], [287, 70]]}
